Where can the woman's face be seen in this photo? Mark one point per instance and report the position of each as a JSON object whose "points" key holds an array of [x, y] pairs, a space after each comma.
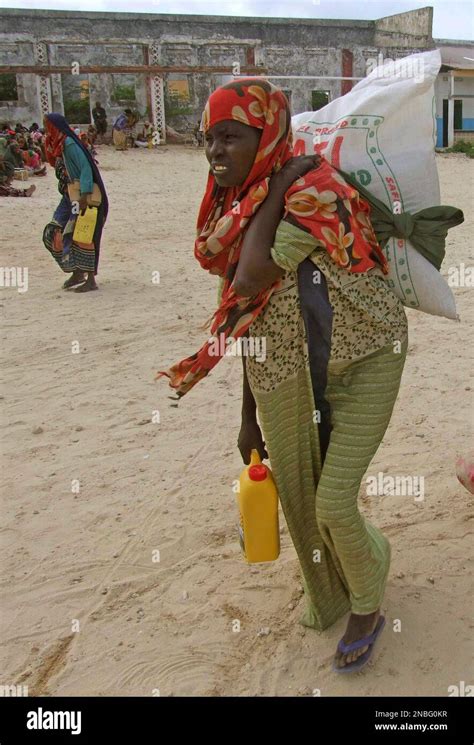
{"points": [[231, 148]]}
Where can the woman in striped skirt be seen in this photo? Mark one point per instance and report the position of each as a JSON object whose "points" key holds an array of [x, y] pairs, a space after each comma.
{"points": [[300, 266]]}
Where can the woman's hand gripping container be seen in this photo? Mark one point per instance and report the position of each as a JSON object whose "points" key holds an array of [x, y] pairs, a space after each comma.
{"points": [[258, 505]]}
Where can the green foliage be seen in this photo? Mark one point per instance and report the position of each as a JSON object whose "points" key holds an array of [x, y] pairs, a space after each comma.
{"points": [[176, 105], [319, 99], [462, 146], [8, 89], [77, 112], [124, 93]]}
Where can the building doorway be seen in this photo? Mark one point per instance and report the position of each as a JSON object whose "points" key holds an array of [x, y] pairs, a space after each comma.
{"points": [[457, 118], [319, 99], [76, 98]]}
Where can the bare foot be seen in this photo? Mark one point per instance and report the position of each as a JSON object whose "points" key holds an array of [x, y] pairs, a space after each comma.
{"points": [[88, 285], [358, 627], [29, 191], [76, 278]]}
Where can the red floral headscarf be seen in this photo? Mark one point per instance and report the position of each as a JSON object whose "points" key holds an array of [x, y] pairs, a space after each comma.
{"points": [[54, 142], [321, 203]]}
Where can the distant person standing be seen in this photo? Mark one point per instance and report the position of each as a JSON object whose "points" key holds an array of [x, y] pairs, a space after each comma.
{"points": [[100, 119], [198, 134], [92, 134], [121, 127]]}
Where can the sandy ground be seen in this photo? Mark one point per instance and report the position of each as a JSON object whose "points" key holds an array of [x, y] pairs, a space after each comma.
{"points": [[87, 607]]}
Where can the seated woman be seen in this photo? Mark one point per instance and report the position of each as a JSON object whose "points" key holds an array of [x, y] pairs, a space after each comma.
{"points": [[6, 176], [32, 161], [38, 137], [14, 154], [300, 266], [30, 154], [84, 138], [91, 134], [145, 135]]}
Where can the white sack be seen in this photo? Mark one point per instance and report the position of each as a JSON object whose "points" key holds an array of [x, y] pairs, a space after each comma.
{"points": [[383, 133]]}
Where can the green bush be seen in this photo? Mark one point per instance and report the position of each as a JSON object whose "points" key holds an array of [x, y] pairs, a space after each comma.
{"points": [[8, 89], [176, 105], [123, 93], [462, 146], [77, 112]]}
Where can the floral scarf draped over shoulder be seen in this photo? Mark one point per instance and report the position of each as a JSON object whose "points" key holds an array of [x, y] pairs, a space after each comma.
{"points": [[320, 202]]}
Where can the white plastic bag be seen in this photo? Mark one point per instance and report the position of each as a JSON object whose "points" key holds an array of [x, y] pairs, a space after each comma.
{"points": [[383, 133]]}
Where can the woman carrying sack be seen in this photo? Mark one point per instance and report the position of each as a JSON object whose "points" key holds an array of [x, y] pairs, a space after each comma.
{"points": [[300, 266]]}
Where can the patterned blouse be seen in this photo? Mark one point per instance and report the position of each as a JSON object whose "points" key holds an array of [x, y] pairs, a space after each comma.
{"points": [[61, 175], [367, 315]]}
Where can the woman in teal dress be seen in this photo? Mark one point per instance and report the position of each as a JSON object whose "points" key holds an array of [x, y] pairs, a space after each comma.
{"points": [[81, 186]]}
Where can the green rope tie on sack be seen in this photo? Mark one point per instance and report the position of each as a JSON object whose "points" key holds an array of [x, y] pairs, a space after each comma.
{"points": [[426, 229], [403, 225]]}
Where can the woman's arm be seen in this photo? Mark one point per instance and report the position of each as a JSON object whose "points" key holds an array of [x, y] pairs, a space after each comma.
{"points": [[75, 154], [256, 269], [249, 407], [250, 436], [87, 177]]}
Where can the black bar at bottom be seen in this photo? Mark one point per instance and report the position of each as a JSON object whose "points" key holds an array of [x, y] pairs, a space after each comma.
{"points": [[148, 720]]}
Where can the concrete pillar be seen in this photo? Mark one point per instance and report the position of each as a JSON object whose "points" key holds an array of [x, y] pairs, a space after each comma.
{"points": [[43, 83], [57, 94], [157, 95], [451, 109], [347, 70]]}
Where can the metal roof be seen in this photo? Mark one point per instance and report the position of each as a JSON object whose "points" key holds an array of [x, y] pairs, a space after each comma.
{"points": [[457, 55]]}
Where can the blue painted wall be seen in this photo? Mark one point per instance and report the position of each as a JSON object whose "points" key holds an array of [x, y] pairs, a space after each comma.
{"points": [[466, 124], [439, 131]]}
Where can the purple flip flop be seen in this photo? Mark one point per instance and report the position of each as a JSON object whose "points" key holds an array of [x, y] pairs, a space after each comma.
{"points": [[364, 658]]}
